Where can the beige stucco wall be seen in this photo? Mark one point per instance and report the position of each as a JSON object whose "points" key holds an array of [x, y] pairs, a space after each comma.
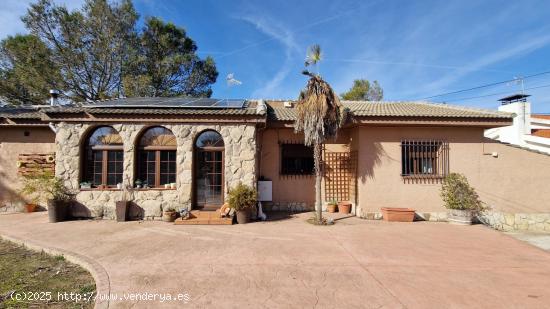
{"points": [[240, 166], [295, 192], [12, 143], [515, 181]]}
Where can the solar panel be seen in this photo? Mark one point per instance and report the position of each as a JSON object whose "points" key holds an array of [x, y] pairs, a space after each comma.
{"points": [[178, 102]]}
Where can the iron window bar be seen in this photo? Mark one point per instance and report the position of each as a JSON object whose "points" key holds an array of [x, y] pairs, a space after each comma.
{"points": [[424, 159]]}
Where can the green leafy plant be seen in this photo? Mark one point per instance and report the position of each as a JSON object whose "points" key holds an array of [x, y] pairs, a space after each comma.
{"points": [[44, 186], [332, 202], [242, 197], [457, 193]]}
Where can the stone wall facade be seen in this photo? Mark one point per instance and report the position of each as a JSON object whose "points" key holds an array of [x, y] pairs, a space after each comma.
{"points": [[532, 222], [240, 165]]}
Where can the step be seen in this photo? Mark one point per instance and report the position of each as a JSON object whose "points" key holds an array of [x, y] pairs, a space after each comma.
{"points": [[198, 217]]}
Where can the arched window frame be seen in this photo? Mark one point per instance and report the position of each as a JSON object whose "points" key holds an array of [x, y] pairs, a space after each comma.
{"points": [[217, 145], [151, 158], [103, 161]]}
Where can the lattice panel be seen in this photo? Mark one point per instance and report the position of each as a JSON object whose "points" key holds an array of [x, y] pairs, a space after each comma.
{"points": [[340, 175], [35, 163]]}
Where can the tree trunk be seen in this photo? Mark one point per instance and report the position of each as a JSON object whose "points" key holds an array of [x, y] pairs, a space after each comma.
{"points": [[318, 177]]}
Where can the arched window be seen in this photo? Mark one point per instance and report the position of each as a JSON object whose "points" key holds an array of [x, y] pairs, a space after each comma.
{"points": [[209, 139], [156, 157], [103, 159]]}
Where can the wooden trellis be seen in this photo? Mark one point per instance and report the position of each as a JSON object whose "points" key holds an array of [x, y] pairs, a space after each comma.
{"points": [[35, 163], [340, 175]]}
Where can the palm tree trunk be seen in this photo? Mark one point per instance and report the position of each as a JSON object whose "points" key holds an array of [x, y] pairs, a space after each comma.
{"points": [[318, 177]]}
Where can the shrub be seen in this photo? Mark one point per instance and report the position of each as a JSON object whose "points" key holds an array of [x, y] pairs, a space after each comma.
{"points": [[242, 197], [457, 193], [42, 186]]}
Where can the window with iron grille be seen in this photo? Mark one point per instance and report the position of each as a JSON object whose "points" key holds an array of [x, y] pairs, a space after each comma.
{"points": [[296, 159], [424, 158]]}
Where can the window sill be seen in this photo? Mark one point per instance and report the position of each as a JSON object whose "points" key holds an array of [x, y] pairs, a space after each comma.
{"points": [[422, 176], [296, 175], [155, 189], [134, 189]]}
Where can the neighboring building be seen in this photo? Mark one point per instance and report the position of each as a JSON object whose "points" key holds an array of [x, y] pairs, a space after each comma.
{"points": [[392, 154], [531, 131]]}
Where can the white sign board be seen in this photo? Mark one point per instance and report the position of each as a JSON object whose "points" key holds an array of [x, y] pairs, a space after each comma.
{"points": [[265, 191]]}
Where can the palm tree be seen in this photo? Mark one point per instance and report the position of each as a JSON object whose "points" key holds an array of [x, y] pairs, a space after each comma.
{"points": [[320, 115]]}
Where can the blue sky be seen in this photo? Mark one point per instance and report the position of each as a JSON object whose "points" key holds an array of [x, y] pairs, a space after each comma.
{"points": [[415, 49]]}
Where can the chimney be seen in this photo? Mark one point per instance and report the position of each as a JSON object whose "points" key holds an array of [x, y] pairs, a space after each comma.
{"points": [[516, 104], [54, 94]]}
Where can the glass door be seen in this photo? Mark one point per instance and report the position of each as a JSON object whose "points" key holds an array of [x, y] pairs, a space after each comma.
{"points": [[209, 179]]}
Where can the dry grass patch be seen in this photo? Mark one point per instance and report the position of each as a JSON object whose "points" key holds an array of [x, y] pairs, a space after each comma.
{"points": [[29, 275]]}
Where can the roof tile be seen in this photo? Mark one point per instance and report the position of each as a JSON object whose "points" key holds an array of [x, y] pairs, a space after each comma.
{"points": [[395, 109]]}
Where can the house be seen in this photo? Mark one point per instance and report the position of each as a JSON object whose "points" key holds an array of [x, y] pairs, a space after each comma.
{"points": [[392, 154], [531, 131]]}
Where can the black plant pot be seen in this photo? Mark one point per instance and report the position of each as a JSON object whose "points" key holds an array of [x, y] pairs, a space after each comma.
{"points": [[122, 211], [57, 211]]}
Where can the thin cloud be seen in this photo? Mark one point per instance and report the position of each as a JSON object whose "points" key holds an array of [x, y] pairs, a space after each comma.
{"points": [[283, 35], [12, 11], [232, 81]]}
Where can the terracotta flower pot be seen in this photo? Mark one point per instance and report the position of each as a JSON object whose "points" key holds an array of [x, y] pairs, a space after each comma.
{"points": [[331, 208], [397, 214], [30, 208], [169, 216], [344, 207]]}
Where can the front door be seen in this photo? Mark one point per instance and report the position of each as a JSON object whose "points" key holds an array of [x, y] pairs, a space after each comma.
{"points": [[209, 179]]}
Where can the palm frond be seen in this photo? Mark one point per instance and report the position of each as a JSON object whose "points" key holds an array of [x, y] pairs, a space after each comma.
{"points": [[313, 55], [319, 112]]}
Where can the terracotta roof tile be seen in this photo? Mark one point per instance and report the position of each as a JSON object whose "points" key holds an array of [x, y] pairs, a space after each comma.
{"points": [[20, 112], [541, 132], [394, 109]]}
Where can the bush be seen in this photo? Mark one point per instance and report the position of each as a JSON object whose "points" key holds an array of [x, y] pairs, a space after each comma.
{"points": [[242, 197], [457, 193], [44, 186]]}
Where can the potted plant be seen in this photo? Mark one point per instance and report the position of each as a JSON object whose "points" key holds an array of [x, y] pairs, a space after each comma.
{"points": [[331, 206], [138, 183], [59, 201], [31, 191], [44, 186], [85, 185], [460, 199], [169, 214], [242, 198], [344, 207], [123, 205]]}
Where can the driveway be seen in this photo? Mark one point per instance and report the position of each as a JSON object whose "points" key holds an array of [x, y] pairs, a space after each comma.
{"points": [[291, 264]]}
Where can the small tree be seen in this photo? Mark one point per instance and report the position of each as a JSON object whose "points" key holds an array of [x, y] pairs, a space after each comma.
{"points": [[44, 186], [363, 90], [457, 193], [320, 115]]}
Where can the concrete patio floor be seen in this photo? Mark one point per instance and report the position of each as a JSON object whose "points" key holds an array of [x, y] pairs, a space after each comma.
{"points": [[292, 264]]}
